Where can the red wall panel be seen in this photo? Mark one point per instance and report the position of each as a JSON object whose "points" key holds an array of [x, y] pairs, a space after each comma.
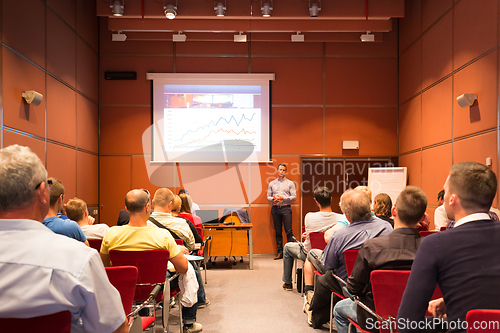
{"points": [[61, 49], [36, 146], [61, 164], [61, 112], [115, 174], [437, 113]]}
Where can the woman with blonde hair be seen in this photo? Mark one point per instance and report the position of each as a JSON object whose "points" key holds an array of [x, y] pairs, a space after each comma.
{"points": [[176, 209], [382, 205]]}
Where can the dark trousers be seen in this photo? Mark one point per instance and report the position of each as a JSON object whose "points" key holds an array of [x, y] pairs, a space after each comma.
{"points": [[282, 216], [320, 303]]}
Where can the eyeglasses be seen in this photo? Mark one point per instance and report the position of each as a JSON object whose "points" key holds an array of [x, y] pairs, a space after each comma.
{"points": [[48, 182], [149, 196]]}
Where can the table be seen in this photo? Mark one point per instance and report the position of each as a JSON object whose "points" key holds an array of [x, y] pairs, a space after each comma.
{"points": [[223, 239]]}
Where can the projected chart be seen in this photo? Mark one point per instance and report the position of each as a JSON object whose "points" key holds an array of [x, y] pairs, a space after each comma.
{"points": [[189, 129]]}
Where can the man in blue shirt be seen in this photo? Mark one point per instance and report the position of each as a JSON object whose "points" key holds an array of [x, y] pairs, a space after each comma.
{"points": [[58, 225]]}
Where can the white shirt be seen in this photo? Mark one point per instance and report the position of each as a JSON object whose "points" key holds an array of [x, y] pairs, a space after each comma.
{"points": [[194, 208], [319, 222], [95, 231], [472, 217], [440, 218], [43, 273]]}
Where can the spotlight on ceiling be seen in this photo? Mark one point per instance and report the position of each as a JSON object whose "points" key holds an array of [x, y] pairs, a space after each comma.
{"points": [[240, 38], [220, 9], [170, 11], [368, 37], [298, 37], [314, 8], [266, 8], [179, 37], [119, 37], [117, 7]]}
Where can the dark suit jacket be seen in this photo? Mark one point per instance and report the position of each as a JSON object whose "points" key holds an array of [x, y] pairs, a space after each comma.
{"points": [[393, 252]]}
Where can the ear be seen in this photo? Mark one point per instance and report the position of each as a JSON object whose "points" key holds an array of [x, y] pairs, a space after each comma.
{"points": [[347, 217], [454, 200], [85, 213], [61, 198], [394, 211]]}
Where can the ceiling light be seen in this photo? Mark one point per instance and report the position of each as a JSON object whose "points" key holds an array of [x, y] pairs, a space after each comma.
{"points": [[368, 37], [266, 8], [298, 37], [220, 9], [179, 37], [314, 9], [119, 37], [117, 7], [240, 38], [170, 11]]}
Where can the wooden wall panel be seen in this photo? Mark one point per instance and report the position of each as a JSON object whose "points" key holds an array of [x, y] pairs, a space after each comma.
{"points": [[410, 67], [375, 129], [413, 163], [61, 112], [411, 26], [36, 146], [61, 49], [87, 23], [87, 124], [61, 164], [436, 163], [86, 70], [410, 133], [432, 10], [477, 149], [286, 49], [87, 179], [211, 65], [115, 175], [263, 230], [267, 173], [66, 9], [211, 48], [437, 113]]}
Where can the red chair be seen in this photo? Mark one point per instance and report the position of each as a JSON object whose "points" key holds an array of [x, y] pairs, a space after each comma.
{"points": [[442, 229], [317, 240], [152, 267], [427, 232], [179, 241], [483, 320], [350, 258], [59, 322], [95, 244], [124, 279]]}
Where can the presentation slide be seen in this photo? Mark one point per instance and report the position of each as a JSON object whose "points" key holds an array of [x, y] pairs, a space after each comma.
{"points": [[211, 119]]}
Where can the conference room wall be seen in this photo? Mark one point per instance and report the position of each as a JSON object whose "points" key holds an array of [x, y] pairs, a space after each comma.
{"points": [[52, 48], [324, 93], [447, 48]]}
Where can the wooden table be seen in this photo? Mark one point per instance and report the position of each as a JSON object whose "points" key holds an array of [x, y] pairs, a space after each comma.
{"points": [[226, 243]]}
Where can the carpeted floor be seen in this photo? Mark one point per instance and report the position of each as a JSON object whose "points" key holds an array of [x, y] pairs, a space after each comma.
{"points": [[248, 301]]}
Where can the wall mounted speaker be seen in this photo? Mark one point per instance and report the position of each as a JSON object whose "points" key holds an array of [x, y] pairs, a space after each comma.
{"points": [[120, 75]]}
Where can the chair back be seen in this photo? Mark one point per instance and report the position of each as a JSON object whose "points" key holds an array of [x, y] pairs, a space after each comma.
{"points": [[483, 320], [95, 244], [152, 267], [388, 288], [442, 228], [425, 233], [317, 240], [124, 279], [350, 258], [179, 241], [59, 322]]}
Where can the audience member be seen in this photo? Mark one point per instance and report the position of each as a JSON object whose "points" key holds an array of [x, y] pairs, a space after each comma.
{"points": [[314, 222], [58, 225], [76, 209], [48, 273], [193, 206], [355, 205], [162, 205], [440, 217], [185, 210], [176, 209], [382, 206], [137, 235], [123, 217], [395, 251], [463, 261]]}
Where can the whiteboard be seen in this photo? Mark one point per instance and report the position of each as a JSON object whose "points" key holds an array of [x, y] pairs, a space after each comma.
{"points": [[387, 180]]}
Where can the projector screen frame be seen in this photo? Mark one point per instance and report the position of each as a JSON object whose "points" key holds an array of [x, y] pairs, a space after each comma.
{"points": [[206, 79]]}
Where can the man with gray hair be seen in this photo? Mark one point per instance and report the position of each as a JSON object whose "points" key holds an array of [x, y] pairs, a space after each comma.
{"points": [[363, 226], [50, 272]]}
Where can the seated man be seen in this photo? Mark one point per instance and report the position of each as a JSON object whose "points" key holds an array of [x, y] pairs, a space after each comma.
{"points": [[58, 225], [314, 222], [138, 236], [162, 204], [356, 206], [76, 210], [395, 251], [463, 261], [49, 272]]}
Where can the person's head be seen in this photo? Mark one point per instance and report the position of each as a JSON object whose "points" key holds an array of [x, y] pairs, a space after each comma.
{"points": [[323, 196], [410, 206], [355, 205], [382, 205], [186, 203], [470, 187], [365, 190], [176, 205], [56, 193], [76, 209], [440, 197], [183, 190], [162, 201], [137, 202], [23, 182], [282, 170]]}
